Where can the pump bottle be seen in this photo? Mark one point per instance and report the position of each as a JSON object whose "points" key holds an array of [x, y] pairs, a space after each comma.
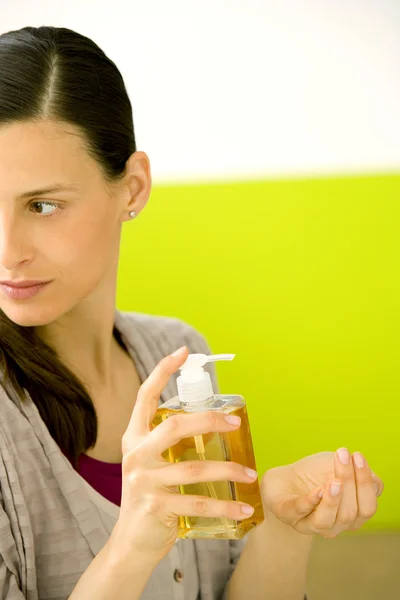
{"points": [[195, 393]]}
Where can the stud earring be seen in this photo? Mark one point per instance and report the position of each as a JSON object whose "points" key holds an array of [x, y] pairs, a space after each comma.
{"points": [[132, 214]]}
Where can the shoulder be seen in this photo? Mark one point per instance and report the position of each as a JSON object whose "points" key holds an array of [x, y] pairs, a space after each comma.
{"points": [[168, 332]]}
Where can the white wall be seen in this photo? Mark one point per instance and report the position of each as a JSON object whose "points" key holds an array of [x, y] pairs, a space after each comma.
{"points": [[248, 88]]}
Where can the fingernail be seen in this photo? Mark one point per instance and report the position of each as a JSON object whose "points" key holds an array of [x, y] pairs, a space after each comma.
{"points": [[179, 352], [376, 489], [344, 456], [335, 489], [247, 509], [233, 420], [251, 473], [320, 494], [359, 460]]}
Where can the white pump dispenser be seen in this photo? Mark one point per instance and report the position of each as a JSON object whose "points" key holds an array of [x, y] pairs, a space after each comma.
{"points": [[194, 383]]}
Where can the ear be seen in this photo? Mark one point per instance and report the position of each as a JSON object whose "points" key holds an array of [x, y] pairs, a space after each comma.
{"points": [[137, 184]]}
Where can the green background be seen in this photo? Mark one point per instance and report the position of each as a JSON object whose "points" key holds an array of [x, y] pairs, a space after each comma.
{"points": [[299, 278]]}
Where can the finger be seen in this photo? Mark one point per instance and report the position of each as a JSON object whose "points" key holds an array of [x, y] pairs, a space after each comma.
{"points": [[195, 471], [188, 505], [344, 471], [378, 484], [366, 491], [291, 509], [182, 426], [149, 393], [323, 519]]}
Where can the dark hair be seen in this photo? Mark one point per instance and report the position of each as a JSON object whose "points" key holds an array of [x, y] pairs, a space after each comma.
{"points": [[53, 73]]}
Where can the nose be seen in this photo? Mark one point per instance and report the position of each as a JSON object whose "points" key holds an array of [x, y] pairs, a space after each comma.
{"points": [[13, 242]]}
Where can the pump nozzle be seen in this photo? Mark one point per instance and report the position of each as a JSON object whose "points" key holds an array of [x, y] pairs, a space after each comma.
{"points": [[195, 361], [215, 357]]}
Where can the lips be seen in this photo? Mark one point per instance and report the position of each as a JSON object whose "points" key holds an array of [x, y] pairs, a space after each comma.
{"points": [[23, 291], [22, 284]]}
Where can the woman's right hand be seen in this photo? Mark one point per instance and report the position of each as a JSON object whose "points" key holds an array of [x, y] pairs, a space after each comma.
{"points": [[151, 503]]}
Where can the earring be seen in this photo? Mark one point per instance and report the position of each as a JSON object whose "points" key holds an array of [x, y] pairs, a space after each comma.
{"points": [[132, 214]]}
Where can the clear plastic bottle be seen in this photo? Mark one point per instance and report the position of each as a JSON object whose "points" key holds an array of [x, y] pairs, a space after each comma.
{"points": [[195, 393]]}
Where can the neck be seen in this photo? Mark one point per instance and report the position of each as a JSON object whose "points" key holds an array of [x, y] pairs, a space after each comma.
{"points": [[83, 339]]}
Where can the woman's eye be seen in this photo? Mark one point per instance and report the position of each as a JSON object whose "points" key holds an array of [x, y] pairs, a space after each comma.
{"points": [[42, 208]]}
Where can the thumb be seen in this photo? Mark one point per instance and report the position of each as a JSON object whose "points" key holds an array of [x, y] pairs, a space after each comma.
{"points": [[149, 393], [378, 484], [291, 509]]}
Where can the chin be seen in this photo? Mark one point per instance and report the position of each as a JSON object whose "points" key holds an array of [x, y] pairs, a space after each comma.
{"points": [[31, 316]]}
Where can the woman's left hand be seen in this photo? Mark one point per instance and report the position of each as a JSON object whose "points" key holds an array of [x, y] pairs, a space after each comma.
{"points": [[348, 487]]}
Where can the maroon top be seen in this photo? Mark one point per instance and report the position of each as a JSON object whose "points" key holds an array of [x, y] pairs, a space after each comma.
{"points": [[104, 477]]}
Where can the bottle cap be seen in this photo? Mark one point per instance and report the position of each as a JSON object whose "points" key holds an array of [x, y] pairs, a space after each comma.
{"points": [[194, 383]]}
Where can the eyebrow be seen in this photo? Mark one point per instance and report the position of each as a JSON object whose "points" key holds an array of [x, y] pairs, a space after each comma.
{"points": [[58, 187]]}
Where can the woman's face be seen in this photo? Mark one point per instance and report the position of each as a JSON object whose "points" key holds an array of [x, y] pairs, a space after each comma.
{"points": [[67, 238]]}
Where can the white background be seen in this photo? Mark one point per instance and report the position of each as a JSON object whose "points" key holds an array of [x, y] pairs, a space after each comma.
{"points": [[248, 88]]}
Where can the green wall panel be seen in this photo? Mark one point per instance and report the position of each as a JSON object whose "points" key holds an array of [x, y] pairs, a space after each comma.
{"points": [[299, 278]]}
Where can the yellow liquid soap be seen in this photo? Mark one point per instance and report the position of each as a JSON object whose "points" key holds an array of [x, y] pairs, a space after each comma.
{"points": [[234, 446]]}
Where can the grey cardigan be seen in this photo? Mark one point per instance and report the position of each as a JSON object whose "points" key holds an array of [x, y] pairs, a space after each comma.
{"points": [[53, 523]]}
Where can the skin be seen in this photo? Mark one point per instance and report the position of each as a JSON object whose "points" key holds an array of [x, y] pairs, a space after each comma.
{"points": [[77, 248], [74, 241]]}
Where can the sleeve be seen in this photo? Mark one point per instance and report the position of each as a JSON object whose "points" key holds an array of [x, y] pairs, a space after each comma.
{"points": [[10, 584], [235, 550], [17, 558], [9, 589]]}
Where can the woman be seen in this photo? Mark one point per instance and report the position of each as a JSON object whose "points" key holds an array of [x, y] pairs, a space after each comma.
{"points": [[88, 507]]}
